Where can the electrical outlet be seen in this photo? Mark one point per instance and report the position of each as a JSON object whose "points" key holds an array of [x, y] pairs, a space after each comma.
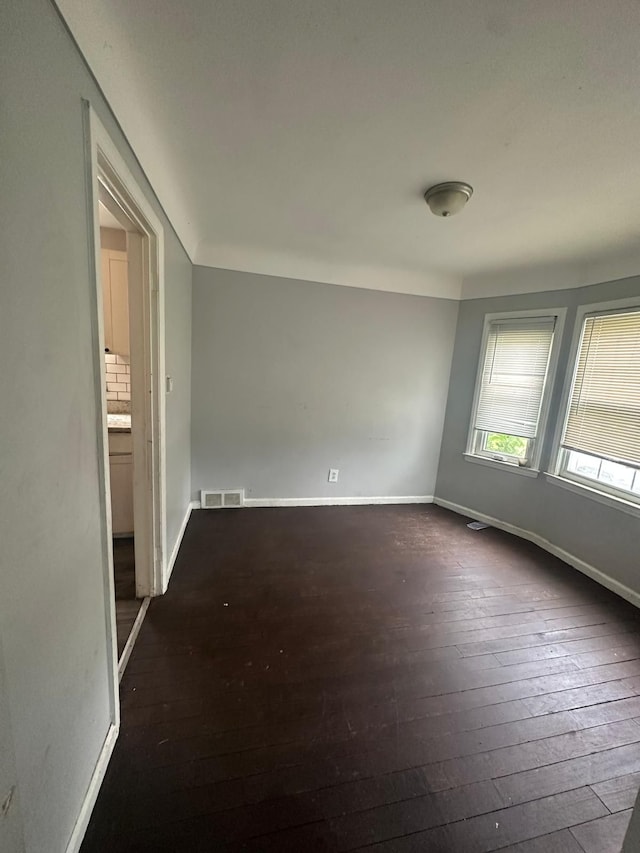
{"points": [[333, 475]]}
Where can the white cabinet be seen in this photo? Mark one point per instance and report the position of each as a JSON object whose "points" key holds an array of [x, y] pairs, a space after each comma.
{"points": [[120, 442], [121, 471], [115, 296]]}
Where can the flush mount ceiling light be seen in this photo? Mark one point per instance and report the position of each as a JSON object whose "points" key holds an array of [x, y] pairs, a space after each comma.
{"points": [[448, 198]]}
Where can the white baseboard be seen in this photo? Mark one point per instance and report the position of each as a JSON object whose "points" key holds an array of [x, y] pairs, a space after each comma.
{"points": [[178, 542], [133, 636], [91, 796], [595, 574], [359, 501]]}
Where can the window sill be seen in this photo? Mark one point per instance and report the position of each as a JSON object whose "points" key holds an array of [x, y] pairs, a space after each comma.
{"points": [[594, 494], [502, 466]]}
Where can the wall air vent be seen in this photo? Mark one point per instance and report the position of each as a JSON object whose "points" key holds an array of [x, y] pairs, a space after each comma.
{"points": [[233, 498], [221, 498]]}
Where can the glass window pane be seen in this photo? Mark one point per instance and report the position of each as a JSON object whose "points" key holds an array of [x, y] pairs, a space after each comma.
{"points": [[510, 445], [604, 409], [613, 474], [583, 464]]}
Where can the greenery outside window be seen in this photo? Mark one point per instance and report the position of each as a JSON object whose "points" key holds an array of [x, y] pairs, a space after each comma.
{"points": [[499, 445]]}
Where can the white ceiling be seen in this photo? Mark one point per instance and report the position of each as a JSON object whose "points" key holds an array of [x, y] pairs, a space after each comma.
{"points": [[295, 137]]}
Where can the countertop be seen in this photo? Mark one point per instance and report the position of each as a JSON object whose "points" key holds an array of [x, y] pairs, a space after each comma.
{"points": [[118, 423]]}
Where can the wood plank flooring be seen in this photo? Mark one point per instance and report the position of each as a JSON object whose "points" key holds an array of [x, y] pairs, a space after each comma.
{"points": [[376, 679], [127, 605]]}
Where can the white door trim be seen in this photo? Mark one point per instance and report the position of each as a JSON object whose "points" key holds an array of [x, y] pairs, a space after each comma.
{"points": [[99, 373], [104, 162], [148, 431]]}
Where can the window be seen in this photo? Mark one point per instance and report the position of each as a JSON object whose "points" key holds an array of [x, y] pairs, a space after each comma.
{"points": [[512, 388], [600, 441]]}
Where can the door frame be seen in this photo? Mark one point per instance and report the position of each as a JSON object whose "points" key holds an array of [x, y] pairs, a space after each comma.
{"points": [[107, 169]]}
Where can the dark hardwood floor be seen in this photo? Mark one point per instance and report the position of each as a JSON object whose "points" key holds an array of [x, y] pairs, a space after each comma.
{"points": [[124, 568], [127, 605], [379, 679]]}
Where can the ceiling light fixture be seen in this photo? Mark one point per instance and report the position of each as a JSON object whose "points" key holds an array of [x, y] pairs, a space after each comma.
{"points": [[448, 198]]}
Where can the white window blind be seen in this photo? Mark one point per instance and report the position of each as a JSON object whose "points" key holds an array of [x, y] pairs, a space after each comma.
{"points": [[604, 408], [513, 376]]}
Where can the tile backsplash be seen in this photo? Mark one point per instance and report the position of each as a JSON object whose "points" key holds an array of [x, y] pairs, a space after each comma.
{"points": [[118, 373]]}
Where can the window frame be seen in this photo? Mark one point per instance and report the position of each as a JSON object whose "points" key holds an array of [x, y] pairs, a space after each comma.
{"points": [[506, 462], [558, 473]]}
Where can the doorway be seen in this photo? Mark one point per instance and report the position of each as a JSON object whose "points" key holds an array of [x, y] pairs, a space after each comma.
{"points": [[115, 228], [128, 243]]}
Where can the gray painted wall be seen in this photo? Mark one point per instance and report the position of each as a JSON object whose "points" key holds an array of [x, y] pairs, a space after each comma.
{"points": [[291, 378], [599, 535], [177, 307], [11, 837], [52, 604]]}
